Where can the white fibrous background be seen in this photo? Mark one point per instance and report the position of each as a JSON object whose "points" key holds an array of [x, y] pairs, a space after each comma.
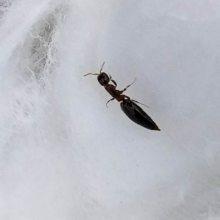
{"points": [[64, 155]]}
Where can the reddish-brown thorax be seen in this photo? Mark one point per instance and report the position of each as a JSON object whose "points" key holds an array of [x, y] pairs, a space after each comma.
{"points": [[111, 89]]}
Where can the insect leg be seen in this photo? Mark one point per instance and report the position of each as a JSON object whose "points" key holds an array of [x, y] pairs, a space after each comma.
{"points": [[140, 103], [129, 85], [110, 78], [109, 101]]}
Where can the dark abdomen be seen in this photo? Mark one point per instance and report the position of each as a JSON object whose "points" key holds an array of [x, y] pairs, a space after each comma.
{"points": [[137, 115]]}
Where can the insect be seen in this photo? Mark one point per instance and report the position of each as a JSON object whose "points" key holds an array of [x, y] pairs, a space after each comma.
{"points": [[128, 105], [105, 80]]}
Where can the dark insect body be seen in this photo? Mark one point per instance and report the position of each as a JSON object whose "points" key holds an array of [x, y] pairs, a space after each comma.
{"points": [[128, 106], [137, 115]]}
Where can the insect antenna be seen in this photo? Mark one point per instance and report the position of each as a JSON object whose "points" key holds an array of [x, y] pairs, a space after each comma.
{"points": [[102, 66], [94, 74]]}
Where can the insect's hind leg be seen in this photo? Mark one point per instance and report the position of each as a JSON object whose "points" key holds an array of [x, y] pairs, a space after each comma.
{"points": [[140, 103], [109, 101]]}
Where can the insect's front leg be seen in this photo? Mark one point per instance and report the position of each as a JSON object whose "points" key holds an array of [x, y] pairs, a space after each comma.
{"points": [[110, 78]]}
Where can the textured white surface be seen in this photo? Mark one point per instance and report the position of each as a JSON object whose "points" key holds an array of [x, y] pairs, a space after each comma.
{"points": [[64, 155]]}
